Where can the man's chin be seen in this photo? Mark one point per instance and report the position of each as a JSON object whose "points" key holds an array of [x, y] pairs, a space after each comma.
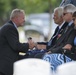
{"points": [[22, 25]]}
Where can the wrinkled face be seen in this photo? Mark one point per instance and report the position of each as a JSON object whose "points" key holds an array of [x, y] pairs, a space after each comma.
{"points": [[56, 18], [20, 19], [74, 20], [67, 16]]}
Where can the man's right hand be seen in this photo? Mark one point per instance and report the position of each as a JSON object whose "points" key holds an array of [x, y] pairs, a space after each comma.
{"points": [[32, 44]]}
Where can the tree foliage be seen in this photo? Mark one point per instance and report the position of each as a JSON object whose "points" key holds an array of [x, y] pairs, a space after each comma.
{"points": [[30, 6]]}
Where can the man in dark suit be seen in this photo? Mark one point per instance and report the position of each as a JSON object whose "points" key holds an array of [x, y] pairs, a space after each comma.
{"points": [[9, 42], [58, 19], [61, 52]]}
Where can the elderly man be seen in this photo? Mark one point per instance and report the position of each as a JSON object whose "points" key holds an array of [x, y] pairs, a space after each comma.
{"points": [[9, 42], [58, 19], [56, 56]]}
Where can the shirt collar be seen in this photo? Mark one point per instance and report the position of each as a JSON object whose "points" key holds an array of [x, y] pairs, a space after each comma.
{"points": [[70, 23], [15, 25], [61, 25]]}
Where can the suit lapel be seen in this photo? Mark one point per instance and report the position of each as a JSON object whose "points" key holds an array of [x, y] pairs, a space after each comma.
{"points": [[52, 38], [62, 30], [63, 27], [57, 34], [68, 29]]}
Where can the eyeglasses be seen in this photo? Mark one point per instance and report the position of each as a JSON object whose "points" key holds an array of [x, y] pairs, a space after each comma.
{"points": [[65, 13], [74, 19]]}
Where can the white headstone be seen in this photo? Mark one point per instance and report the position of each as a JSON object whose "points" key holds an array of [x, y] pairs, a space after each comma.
{"points": [[67, 69], [32, 67]]}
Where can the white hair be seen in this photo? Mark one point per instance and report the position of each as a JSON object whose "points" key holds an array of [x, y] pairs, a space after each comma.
{"points": [[69, 8], [59, 10], [16, 13]]}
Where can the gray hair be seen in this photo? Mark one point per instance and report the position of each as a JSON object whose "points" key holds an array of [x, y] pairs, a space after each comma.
{"points": [[59, 10], [16, 13], [69, 8]]}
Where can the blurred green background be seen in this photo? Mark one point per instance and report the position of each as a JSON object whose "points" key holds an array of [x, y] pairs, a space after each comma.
{"points": [[30, 6]]}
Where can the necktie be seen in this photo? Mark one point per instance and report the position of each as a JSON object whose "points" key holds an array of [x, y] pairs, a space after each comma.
{"points": [[50, 42]]}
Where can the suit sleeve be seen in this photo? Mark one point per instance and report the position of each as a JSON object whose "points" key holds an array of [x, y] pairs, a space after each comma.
{"points": [[12, 37], [71, 37], [56, 49]]}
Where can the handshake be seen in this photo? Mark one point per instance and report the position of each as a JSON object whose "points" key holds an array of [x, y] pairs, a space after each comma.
{"points": [[33, 44]]}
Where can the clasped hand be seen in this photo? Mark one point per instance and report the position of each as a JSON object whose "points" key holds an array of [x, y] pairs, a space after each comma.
{"points": [[32, 44]]}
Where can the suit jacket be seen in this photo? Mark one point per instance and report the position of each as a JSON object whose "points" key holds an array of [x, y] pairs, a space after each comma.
{"points": [[59, 34], [67, 37], [10, 47]]}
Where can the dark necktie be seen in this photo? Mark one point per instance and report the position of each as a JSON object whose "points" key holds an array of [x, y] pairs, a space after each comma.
{"points": [[51, 40]]}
